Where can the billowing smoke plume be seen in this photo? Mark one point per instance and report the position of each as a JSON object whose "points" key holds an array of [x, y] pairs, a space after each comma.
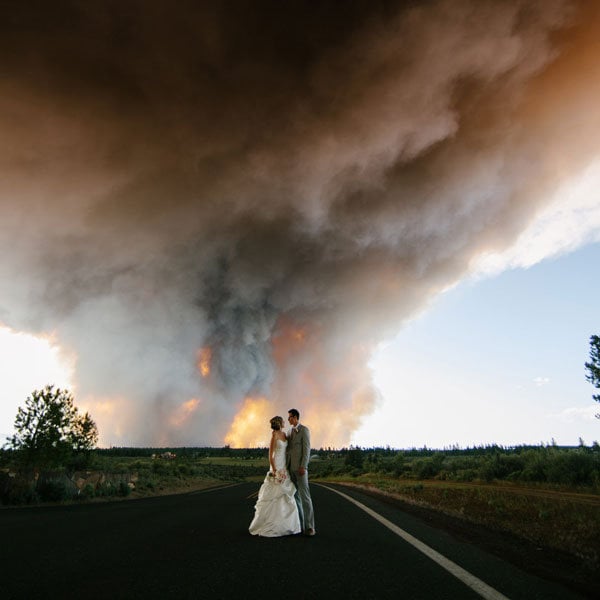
{"points": [[221, 208]]}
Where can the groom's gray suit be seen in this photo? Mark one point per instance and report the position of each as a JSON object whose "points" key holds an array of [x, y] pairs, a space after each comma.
{"points": [[298, 455]]}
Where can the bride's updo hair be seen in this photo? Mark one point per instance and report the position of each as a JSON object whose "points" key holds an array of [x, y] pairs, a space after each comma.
{"points": [[277, 423]]}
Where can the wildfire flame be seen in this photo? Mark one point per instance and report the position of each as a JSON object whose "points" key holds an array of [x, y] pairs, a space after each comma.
{"points": [[329, 383], [250, 427], [204, 360], [183, 412]]}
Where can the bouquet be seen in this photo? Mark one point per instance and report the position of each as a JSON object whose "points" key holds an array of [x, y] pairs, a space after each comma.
{"points": [[278, 476]]}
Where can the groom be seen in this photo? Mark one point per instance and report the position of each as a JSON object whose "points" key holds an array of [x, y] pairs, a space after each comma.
{"points": [[298, 455]]}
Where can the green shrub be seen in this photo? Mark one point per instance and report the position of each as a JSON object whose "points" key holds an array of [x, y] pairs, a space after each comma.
{"points": [[576, 467], [20, 491], [123, 489], [88, 491], [398, 465], [373, 462], [183, 470], [500, 466], [428, 468], [53, 490], [146, 483], [324, 471], [79, 461], [106, 488], [465, 475], [354, 458], [161, 467], [535, 466]]}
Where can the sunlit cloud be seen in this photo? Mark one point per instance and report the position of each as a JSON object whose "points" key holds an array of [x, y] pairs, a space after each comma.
{"points": [[29, 362], [574, 414], [570, 221], [541, 381]]}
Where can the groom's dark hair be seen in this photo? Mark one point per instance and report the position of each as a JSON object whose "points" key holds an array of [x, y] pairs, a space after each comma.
{"points": [[294, 413]]}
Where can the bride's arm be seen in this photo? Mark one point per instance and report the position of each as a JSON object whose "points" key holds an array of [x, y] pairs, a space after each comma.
{"points": [[272, 452]]}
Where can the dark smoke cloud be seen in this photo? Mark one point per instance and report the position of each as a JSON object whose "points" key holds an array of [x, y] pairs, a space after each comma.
{"points": [[198, 174]]}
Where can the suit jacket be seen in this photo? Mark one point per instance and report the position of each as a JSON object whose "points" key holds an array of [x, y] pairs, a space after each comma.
{"points": [[298, 449]]}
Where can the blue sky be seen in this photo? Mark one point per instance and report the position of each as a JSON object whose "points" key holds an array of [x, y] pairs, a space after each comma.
{"points": [[499, 359]]}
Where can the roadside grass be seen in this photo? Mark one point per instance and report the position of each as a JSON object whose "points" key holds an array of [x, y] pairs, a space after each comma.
{"points": [[564, 520], [180, 475], [116, 477], [167, 486], [239, 462], [156, 475]]}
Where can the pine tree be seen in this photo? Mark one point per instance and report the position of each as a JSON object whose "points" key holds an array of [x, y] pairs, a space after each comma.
{"points": [[593, 367], [49, 429]]}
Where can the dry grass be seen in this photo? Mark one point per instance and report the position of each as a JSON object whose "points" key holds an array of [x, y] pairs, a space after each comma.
{"points": [[235, 461], [182, 486]]}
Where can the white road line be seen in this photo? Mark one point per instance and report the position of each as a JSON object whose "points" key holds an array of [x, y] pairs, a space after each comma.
{"points": [[483, 589]]}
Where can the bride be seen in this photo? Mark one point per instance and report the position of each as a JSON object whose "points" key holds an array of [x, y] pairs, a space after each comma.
{"points": [[276, 512]]}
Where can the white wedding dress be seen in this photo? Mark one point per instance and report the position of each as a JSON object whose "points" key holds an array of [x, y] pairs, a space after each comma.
{"points": [[276, 513]]}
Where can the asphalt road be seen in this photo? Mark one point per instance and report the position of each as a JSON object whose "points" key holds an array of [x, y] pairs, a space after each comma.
{"points": [[198, 546]]}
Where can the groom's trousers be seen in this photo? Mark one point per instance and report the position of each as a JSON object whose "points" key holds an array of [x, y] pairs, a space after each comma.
{"points": [[303, 500]]}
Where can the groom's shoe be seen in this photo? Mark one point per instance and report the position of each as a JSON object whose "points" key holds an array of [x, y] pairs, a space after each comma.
{"points": [[310, 532]]}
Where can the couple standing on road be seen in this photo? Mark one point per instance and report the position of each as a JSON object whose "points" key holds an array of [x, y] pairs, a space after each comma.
{"points": [[284, 505]]}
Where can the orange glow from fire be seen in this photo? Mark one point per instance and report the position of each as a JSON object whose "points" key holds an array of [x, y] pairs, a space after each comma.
{"points": [[183, 412], [299, 335], [250, 427], [204, 360], [328, 382], [114, 416], [288, 341]]}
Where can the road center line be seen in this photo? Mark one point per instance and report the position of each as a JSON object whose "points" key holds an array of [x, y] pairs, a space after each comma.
{"points": [[482, 588]]}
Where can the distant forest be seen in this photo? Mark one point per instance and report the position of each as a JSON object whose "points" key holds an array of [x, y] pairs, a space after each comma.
{"points": [[117, 471], [564, 465]]}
